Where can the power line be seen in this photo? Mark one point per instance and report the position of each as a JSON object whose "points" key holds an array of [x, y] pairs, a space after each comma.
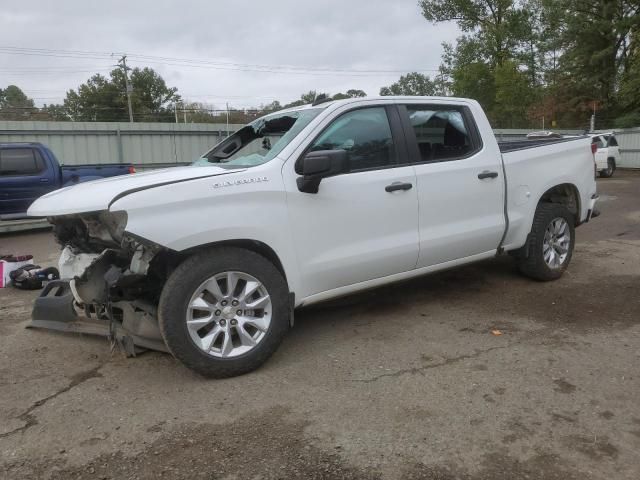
{"points": [[213, 64]]}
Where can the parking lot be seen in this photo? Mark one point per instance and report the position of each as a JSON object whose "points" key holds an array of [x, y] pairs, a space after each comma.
{"points": [[410, 381]]}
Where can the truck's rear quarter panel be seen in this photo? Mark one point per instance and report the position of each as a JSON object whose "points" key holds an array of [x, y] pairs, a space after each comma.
{"points": [[531, 172]]}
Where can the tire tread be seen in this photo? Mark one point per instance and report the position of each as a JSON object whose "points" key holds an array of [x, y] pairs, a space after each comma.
{"points": [[178, 289], [532, 264]]}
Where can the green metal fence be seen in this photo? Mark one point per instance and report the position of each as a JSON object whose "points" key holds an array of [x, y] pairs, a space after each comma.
{"points": [[156, 145]]}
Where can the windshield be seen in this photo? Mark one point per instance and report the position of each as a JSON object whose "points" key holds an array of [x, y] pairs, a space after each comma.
{"points": [[259, 141]]}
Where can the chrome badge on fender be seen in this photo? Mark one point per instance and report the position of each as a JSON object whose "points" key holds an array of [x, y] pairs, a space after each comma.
{"points": [[241, 181]]}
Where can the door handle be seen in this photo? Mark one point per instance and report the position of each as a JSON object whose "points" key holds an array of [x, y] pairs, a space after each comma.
{"points": [[487, 174], [44, 180], [398, 186]]}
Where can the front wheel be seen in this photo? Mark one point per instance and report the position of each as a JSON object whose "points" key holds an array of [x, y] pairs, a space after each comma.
{"points": [[224, 311], [550, 243]]}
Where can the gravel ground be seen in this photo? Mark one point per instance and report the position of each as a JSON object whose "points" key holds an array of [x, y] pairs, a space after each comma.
{"points": [[402, 382]]}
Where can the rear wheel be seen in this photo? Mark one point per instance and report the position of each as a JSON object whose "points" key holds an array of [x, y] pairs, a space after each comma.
{"points": [[223, 312], [550, 245], [611, 167]]}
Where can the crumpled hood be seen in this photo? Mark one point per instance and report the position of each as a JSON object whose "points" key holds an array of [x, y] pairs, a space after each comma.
{"points": [[98, 194]]}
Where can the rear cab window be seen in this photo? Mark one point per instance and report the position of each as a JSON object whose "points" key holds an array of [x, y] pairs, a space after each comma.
{"points": [[20, 161], [440, 133]]}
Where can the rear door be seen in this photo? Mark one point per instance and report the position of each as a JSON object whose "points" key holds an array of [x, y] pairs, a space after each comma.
{"points": [[23, 178], [460, 183], [363, 224]]}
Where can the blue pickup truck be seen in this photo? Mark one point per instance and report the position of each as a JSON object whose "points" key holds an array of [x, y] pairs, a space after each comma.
{"points": [[29, 170]]}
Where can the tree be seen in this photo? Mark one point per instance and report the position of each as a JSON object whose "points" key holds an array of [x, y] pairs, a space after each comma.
{"points": [[14, 104], [629, 93], [351, 93], [104, 99], [55, 112], [97, 100], [305, 99], [271, 107], [496, 61], [413, 83], [495, 24], [151, 99], [513, 96]]}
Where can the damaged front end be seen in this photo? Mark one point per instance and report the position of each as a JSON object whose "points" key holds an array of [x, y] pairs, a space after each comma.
{"points": [[110, 282]]}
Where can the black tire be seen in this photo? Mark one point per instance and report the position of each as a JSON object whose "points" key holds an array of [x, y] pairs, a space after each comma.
{"points": [[184, 281], [531, 262], [611, 168]]}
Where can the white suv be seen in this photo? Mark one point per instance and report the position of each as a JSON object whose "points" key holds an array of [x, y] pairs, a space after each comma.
{"points": [[608, 153]]}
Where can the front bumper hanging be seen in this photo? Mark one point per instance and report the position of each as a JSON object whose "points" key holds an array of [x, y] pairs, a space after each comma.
{"points": [[54, 310]]}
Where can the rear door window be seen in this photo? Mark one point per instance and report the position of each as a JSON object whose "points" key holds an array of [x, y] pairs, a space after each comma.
{"points": [[20, 161], [442, 133], [612, 141]]}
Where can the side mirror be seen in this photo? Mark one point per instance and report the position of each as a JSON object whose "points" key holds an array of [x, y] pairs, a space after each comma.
{"points": [[315, 166]]}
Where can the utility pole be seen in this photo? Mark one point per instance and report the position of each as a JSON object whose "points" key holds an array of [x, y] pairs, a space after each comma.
{"points": [[175, 110], [592, 125], [227, 119], [122, 63]]}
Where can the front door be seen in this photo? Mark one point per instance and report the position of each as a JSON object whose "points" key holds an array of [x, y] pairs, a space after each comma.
{"points": [[361, 225]]}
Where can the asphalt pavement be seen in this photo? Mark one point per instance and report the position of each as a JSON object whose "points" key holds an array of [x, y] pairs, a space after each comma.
{"points": [[475, 373]]}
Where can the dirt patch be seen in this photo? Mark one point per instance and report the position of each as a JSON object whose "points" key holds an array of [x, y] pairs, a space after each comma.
{"points": [[596, 448], [573, 305], [265, 446], [498, 466], [563, 386]]}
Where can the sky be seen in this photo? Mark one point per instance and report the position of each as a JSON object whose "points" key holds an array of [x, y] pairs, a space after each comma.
{"points": [[244, 53]]}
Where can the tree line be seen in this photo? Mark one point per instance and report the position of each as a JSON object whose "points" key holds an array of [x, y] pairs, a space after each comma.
{"points": [[525, 61]]}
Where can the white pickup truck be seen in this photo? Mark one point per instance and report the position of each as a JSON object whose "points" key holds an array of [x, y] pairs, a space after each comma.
{"points": [[209, 261], [607, 153]]}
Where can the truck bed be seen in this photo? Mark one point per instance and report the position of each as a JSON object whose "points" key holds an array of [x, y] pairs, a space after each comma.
{"points": [[511, 146]]}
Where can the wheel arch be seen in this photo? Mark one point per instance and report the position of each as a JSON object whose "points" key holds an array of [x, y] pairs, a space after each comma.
{"points": [[566, 194], [256, 246]]}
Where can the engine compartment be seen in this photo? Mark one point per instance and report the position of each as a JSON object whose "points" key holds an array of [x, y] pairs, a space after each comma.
{"points": [[108, 277], [110, 283], [106, 265]]}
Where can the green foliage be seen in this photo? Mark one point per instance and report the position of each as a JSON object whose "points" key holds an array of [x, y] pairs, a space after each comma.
{"points": [[305, 99], [55, 112], [352, 93], [14, 104], [496, 24], [414, 84], [628, 120], [629, 93], [512, 96], [105, 99], [525, 60]]}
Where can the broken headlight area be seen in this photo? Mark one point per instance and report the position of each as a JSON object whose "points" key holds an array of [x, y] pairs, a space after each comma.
{"points": [[110, 282], [90, 232]]}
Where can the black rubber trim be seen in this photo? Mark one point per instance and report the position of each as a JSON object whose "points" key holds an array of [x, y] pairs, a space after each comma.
{"points": [[397, 133], [162, 184]]}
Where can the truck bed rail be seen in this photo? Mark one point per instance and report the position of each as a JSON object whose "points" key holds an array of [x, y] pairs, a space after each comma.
{"points": [[525, 144]]}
